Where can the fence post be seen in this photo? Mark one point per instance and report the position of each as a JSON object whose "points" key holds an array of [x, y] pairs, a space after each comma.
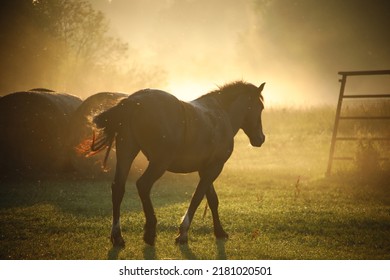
{"points": [[343, 81]]}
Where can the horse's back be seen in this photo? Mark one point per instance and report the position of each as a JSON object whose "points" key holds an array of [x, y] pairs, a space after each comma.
{"points": [[157, 122], [185, 135], [156, 108]]}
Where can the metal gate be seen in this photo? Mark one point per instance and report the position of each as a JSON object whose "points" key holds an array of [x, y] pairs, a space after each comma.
{"points": [[339, 118]]}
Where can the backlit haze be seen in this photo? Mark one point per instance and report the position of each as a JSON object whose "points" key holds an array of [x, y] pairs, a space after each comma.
{"points": [[190, 47], [296, 47]]}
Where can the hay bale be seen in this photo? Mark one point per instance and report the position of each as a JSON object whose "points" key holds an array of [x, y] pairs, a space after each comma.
{"points": [[34, 128], [81, 130], [42, 90]]}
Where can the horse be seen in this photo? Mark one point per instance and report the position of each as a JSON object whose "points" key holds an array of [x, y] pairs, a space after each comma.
{"points": [[179, 137]]}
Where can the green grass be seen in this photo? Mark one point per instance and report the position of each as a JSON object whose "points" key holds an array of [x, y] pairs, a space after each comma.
{"points": [[266, 211]]}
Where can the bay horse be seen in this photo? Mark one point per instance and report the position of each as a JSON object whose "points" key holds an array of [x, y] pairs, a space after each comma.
{"points": [[179, 137]]}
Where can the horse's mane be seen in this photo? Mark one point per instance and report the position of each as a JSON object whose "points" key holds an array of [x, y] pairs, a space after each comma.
{"points": [[230, 89]]}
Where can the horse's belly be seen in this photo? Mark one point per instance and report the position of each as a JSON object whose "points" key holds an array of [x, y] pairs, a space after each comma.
{"points": [[188, 162], [184, 166]]}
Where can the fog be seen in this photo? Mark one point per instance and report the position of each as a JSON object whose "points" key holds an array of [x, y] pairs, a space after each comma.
{"points": [[189, 47], [196, 42], [297, 47]]}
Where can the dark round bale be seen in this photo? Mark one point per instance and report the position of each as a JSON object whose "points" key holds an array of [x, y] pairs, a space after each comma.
{"points": [[81, 133], [34, 130], [42, 90]]}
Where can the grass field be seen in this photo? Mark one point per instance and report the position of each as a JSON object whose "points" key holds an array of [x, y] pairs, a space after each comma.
{"points": [[275, 203]]}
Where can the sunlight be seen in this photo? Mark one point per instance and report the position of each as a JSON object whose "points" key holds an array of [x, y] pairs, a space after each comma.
{"points": [[189, 90], [275, 94]]}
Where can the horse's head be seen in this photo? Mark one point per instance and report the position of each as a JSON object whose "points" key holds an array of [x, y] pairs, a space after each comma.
{"points": [[252, 125]]}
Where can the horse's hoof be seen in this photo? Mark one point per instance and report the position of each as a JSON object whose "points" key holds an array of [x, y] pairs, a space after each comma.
{"points": [[118, 242], [180, 240], [221, 235], [149, 239]]}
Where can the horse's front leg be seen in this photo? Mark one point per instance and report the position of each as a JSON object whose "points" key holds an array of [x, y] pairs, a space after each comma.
{"points": [[207, 177], [212, 200]]}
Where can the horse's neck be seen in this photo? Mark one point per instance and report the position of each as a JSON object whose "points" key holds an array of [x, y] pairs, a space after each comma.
{"points": [[235, 109]]}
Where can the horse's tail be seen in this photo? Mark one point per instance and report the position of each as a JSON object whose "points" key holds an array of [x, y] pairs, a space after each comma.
{"points": [[108, 124]]}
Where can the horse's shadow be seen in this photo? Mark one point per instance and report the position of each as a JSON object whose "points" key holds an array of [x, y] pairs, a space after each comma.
{"points": [[221, 252], [113, 253], [188, 254], [149, 252]]}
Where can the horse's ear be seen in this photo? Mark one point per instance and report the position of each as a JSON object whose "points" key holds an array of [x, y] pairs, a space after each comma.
{"points": [[261, 87]]}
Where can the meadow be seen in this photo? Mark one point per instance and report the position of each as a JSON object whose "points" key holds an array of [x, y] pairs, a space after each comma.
{"points": [[275, 203]]}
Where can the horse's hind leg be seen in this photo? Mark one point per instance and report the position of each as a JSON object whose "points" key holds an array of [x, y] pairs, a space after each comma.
{"points": [[212, 200], [126, 151], [144, 185]]}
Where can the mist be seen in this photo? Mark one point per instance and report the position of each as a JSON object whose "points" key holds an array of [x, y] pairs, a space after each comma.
{"points": [[191, 47], [196, 42], [296, 47]]}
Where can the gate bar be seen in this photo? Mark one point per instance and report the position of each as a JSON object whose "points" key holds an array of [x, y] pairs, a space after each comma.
{"points": [[364, 73], [343, 81]]}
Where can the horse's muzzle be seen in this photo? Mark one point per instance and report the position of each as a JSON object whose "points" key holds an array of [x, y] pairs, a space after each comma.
{"points": [[258, 141]]}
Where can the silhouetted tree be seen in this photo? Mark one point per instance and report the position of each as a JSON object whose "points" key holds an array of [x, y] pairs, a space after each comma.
{"points": [[54, 43], [82, 29], [22, 45]]}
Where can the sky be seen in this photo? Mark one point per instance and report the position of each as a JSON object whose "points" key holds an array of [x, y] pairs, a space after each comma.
{"points": [[296, 47]]}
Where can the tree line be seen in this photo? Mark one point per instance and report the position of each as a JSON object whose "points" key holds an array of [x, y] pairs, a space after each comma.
{"points": [[64, 45]]}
